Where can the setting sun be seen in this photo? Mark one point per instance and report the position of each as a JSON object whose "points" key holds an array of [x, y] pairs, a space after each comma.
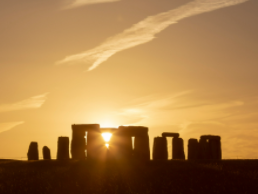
{"points": [[106, 136]]}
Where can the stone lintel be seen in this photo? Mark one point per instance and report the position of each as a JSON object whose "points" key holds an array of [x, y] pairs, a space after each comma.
{"points": [[167, 134]]}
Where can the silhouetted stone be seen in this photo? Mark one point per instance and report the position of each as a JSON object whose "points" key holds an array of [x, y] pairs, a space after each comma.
{"points": [[193, 149], [141, 147], [78, 144], [160, 151], [167, 134], [46, 153], [210, 147], [125, 150], [141, 140], [204, 151], [63, 148], [96, 149], [121, 145], [178, 148], [33, 153]]}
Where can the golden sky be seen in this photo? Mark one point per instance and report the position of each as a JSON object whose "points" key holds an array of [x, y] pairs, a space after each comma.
{"points": [[186, 66]]}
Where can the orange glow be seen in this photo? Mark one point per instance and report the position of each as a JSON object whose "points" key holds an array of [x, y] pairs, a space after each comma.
{"points": [[106, 137], [107, 145]]}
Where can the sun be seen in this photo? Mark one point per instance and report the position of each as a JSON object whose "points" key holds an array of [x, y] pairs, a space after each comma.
{"points": [[106, 136]]}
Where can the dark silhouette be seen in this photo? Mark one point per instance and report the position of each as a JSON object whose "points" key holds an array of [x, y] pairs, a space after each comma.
{"points": [[210, 147], [63, 148], [121, 145], [46, 153], [86, 144], [178, 148], [160, 151], [33, 153], [160, 147], [193, 149], [127, 143]]}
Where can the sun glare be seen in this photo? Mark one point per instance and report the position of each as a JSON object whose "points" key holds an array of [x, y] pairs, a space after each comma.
{"points": [[106, 136]]}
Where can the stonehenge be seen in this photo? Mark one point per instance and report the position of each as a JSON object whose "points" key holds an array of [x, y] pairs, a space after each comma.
{"points": [[127, 143], [46, 153], [63, 148], [33, 153]]}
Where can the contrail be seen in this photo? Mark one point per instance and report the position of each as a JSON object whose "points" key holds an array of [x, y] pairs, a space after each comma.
{"points": [[78, 3], [145, 31]]}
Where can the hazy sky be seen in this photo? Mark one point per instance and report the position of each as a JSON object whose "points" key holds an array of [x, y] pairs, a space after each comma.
{"points": [[187, 66]]}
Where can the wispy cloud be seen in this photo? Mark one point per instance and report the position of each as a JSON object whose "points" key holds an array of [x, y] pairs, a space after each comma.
{"points": [[78, 3], [8, 126], [145, 31], [33, 102], [176, 110]]}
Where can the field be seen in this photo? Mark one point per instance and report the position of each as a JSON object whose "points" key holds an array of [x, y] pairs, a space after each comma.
{"points": [[36, 177]]}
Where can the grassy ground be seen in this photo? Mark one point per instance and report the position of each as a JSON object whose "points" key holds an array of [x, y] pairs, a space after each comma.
{"points": [[227, 176]]}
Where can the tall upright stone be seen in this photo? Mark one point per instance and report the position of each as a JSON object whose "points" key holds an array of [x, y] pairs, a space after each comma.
{"points": [[63, 148], [124, 144], [204, 149], [46, 153], [33, 153], [193, 149], [160, 151], [141, 147], [178, 148], [95, 145]]}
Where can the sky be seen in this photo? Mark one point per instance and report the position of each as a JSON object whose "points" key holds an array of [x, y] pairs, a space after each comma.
{"points": [[186, 66]]}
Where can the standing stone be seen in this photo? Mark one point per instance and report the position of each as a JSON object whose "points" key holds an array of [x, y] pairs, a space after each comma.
{"points": [[160, 151], [46, 153], [178, 148], [193, 149], [33, 153], [63, 148], [125, 147], [141, 147], [95, 145], [204, 149], [215, 149]]}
